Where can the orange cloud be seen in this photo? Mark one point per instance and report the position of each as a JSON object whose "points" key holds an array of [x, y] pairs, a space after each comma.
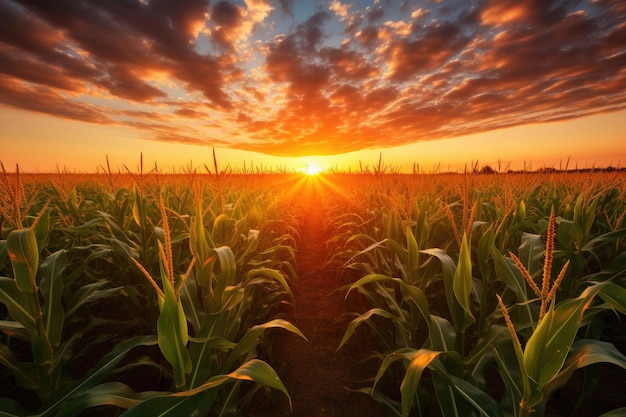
{"points": [[298, 78]]}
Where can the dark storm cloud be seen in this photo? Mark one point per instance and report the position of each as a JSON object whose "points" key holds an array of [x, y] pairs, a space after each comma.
{"points": [[288, 79]]}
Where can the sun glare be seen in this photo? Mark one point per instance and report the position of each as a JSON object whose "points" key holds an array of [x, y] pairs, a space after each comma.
{"points": [[312, 169]]}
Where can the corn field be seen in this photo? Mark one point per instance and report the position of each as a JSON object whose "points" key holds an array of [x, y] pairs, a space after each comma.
{"points": [[143, 293]]}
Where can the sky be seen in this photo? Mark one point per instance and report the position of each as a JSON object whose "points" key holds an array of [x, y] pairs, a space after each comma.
{"points": [[288, 83]]}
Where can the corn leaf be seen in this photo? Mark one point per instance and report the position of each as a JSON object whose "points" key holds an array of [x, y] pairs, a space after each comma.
{"points": [[408, 388], [25, 373], [167, 406], [531, 251], [448, 269], [362, 319], [24, 254], [250, 339], [549, 345], [100, 371], [172, 334], [614, 295], [584, 353], [19, 304], [51, 286], [11, 408], [413, 255], [618, 412], [462, 284], [111, 394], [228, 269], [254, 370], [442, 334], [391, 407]]}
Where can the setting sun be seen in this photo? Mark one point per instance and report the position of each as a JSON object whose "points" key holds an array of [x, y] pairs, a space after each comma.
{"points": [[313, 169]]}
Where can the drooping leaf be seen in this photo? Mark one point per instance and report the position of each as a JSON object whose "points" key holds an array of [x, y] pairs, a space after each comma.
{"points": [[169, 406], [110, 394], [98, 373], [408, 388], [583, 353]]}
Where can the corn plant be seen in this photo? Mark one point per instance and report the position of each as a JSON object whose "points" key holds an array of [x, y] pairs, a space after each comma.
{"points": [[210, 365], [444, 320], [38, 311]]}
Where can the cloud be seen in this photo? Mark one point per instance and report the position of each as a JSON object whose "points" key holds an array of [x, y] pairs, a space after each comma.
{"points": [[296, 78]]}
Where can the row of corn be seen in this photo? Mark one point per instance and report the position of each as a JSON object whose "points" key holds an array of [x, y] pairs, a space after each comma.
{"points": [[141, 294], [484, 293]]}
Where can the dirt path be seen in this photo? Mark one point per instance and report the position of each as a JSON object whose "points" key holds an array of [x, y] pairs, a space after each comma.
{"points": [[315, 374]]}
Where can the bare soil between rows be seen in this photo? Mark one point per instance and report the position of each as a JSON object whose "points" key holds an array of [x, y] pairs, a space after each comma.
{"points": [[319, 378]]}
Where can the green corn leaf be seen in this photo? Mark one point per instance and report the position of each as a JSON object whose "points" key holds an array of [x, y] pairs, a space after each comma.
{"points": [[51, 286], [462, 283], [442, 334], [24, 254], [569, 233], [19, 304], [509, 370], [391, 407], [408, 388], [413, 255], [508, 272], [3, 251], [172, 334], [228, 269], [448, 269], [618, 412], [414, 295], [10, 408], [480, 400], [405, 354], [231, 298], [485, 247], [25, 373], [42, 229], [199, 240], [530, 252], [224, 230], [168, 406], [614, 295], [100, 371], [368, 279], [272, 274], [138, 208], [549, 345], [191, 303], [247, 343], [603, 239], [254, 370], [495, 334], [457, 397], [362, 319], [584, 353], [110, 394], [90, 293], [14, 329]]}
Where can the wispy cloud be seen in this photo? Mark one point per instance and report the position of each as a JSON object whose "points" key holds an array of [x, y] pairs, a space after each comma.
{"points": [[294, 78]]}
